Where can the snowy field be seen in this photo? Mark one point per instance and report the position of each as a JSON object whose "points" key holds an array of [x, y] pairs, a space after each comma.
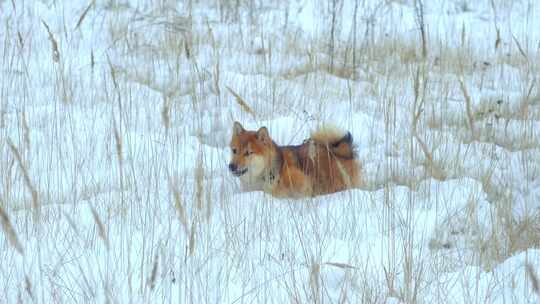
{"points": [[115, 119]]}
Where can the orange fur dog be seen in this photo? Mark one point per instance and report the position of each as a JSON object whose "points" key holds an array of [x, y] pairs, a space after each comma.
{"points": [[324, 163]]}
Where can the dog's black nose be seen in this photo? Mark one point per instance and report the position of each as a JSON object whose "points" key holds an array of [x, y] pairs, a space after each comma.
{"points": [[232, 167]]}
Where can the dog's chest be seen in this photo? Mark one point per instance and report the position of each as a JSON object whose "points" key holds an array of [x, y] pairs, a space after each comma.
{"points": [[251, 184]]}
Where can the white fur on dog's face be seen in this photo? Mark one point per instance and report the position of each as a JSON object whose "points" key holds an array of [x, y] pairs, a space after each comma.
{"points": [[256, 166]]}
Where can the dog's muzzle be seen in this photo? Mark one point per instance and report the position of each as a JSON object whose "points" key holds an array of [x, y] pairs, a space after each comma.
{"points": [[234, 169]]}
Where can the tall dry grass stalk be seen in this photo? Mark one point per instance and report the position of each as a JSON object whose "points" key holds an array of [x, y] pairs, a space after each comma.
{"points": [[468, 105], [83, 15], [26, 130], [28, 287], [36, 208], [344, 175], [436, 171], [54, 43], [217, 73], [118, 144], [315, 282], [119, 156], [520, 48], [179, 206], [153, 274], [355, 14], [533, 277], [331, 45], [165, 110], [240, 101], [199, 179], [102, 232], [420, 22], [191, 245], [9, 231]]}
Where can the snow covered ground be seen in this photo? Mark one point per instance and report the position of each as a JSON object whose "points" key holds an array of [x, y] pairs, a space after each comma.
{"points": [[115, 118]]}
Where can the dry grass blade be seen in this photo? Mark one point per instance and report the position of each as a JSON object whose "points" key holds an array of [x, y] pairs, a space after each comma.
{"points": [[92, 60], [498, 39], [165, 117], [9, 231], [113, 72], [26, 130], [534, 278], [81, 19], [186, 49], [435, 170], [340, 265], [21, 40], [191, 246], [468, 105], [153, 274], [497, 31], [101, 228], [54, 43], [520, 48], [314, 281], [420, 22], [71, 222], [199, 176], [241, 102], [28, 287], [118, 141], [27, 181], [217, 77], [344, 175], [179, 206]]}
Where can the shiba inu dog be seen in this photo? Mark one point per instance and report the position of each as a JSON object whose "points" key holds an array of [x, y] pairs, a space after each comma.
{"points": [[324, 163]]}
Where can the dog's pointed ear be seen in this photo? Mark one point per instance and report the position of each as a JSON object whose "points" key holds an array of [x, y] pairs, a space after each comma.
{"points": [[262, 135], [237, 128]]}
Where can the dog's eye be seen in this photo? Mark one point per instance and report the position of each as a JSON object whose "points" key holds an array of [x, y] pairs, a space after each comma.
{"points": [[234, 151], [247, 153]]}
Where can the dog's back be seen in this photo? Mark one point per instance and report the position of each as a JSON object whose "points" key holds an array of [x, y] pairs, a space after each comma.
{"points": [[328, 158]]}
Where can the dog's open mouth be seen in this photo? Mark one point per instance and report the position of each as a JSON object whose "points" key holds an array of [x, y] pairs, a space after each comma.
{"points": [[239, 172]]}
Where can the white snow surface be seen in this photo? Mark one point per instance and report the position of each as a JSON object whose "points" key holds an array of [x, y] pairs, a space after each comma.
{"points": [[123, 138]]}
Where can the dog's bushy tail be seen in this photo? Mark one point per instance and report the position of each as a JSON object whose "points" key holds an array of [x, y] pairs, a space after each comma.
{"points": [[338, 141]]}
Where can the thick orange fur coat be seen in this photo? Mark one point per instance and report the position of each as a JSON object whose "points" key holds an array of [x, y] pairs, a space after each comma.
{"points": [[324, 163]]}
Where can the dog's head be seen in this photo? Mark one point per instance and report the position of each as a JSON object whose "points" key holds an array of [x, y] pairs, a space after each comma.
{"points": [[251, 151]]}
